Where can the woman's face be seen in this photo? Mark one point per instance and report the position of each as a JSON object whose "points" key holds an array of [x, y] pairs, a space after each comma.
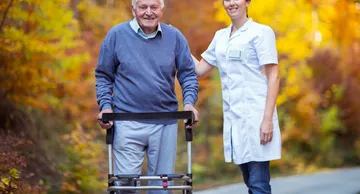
{"points": [[236, 8]]}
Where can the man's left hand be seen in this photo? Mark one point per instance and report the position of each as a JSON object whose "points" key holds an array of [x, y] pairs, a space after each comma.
{"points": [[189, 107]]}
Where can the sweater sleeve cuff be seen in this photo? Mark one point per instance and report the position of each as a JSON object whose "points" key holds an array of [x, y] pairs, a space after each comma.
{"points": [[189, 101], [106, 106]]}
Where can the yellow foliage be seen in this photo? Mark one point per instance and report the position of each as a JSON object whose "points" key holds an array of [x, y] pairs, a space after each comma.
{"points": [[339, 28], [102, 18], [33, 46]]}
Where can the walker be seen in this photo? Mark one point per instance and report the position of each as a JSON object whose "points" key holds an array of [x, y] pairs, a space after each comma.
{"points": [[186, 188]]}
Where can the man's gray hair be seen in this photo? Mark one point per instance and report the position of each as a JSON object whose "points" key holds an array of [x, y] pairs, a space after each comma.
{"points": [[161, 2]]}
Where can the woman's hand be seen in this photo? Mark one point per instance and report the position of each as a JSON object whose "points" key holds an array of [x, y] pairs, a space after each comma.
{"points": [[266, 131]]}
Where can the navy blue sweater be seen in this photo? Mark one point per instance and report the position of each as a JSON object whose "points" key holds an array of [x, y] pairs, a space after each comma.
{"points": [[138, 75]]}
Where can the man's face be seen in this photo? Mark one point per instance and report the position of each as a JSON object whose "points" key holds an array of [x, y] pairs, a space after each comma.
{"points": [[148, 14], [236, 8]]}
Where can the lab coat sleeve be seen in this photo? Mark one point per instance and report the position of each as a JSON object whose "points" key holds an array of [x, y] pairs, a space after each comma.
{"points": [[209, 55], [265, 46]]}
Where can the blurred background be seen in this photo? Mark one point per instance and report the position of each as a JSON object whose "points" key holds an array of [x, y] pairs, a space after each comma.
{"points": [[50, 141]]}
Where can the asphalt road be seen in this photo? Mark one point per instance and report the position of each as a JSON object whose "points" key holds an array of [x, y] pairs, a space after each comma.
{"points": [[342, 181]]}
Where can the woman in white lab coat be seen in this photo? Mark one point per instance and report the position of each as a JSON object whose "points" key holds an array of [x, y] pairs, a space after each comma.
{"points": [[246, 57]]}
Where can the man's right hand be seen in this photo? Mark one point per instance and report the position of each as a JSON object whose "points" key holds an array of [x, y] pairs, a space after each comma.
{"points": [[102, 124]]}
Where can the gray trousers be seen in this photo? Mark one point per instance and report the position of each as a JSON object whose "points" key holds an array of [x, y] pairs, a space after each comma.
{"points": [[133, 139]]}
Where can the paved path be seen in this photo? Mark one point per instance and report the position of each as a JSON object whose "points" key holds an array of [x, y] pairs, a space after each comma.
{"points": [[342, 181]]}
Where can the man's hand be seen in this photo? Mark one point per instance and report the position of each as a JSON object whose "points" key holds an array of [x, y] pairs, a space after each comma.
{"points": [[189, 107], [102, 124], [266, 131]]}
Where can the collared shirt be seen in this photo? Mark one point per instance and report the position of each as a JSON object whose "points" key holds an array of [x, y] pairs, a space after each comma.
{"points": [[240, 59], [136, 27]]}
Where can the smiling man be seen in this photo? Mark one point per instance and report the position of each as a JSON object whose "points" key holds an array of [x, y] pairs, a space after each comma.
{"points": [[147, 15], [136, 71]]}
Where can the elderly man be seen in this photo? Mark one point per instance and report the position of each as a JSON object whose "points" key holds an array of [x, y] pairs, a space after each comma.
{"points": [[136, 72]]}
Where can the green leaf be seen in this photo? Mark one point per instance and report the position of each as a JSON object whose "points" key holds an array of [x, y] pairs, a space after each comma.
{"points": [[330, 120], [14, 173]]}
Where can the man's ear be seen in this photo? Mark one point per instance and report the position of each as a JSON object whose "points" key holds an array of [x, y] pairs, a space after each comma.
{"points": [[133, 10]]}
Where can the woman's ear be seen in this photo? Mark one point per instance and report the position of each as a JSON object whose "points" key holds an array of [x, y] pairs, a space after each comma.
{"points": [[248, 3]]}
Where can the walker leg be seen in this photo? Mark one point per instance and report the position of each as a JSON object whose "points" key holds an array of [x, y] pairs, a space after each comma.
{"points": [[111, 174]]}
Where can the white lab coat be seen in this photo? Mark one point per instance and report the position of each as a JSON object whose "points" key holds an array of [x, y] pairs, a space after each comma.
{"points": [[240, 60]]}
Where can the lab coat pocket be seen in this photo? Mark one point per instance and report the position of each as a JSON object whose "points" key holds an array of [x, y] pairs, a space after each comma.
{"points": [[237, 52]]}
